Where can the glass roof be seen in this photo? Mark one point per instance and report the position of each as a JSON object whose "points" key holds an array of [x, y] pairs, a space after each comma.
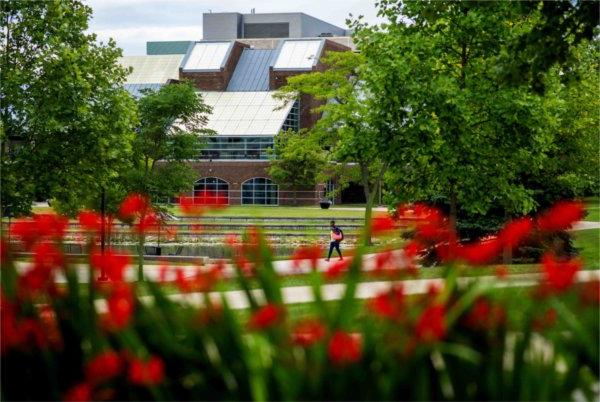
{"points": [[245, 113], [206, 56], [152, 69], [298, 54]]}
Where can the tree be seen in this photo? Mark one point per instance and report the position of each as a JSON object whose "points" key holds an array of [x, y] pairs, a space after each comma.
{"points": [[455, 129], [345, 128], [67, 123], [298, 161], [172, 122], [571, 169]]}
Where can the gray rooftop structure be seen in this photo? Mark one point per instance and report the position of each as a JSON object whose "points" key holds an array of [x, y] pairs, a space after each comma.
{"points": [[227, 26], [252, 70], [168, 47]]}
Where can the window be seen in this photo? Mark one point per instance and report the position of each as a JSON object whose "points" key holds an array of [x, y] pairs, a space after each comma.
{"points": [[260, 191], [223, 147], [292, 122], [211, 191], [267, 30]]}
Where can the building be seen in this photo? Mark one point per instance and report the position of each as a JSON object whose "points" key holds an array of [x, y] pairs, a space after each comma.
{"points": [[237, 67]]}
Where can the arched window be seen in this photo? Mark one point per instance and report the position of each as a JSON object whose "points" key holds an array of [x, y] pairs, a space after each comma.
{"points": [[211, 191], [259, 190]]}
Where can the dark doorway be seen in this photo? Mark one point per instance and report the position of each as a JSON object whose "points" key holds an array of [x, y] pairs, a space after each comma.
{"points": [[353, 194]]}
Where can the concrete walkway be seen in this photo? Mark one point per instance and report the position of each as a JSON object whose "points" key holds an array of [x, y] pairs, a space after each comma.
{"points": [[236, 299], [584, 225], [152, 271]]}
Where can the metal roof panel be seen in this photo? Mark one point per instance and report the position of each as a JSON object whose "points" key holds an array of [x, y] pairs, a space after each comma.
{"points": [[252, 71]]}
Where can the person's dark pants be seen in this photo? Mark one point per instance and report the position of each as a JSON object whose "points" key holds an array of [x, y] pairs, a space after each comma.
{"points": [[334, 244]]}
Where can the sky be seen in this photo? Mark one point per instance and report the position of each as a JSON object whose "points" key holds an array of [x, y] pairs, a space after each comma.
{"points": [[133, 22]]}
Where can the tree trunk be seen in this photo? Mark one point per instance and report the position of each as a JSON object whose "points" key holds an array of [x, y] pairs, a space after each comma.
{"points": [[102, 219], [141, 258], [453, 223], [370, 195], [364, 176]]}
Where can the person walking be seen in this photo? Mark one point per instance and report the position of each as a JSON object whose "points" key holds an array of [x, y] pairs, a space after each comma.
{"points": [[337, 235]]}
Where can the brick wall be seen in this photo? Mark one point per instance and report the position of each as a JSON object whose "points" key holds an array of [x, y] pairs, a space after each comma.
{"points": [[277, 79], [218, 80], [237, 172]]}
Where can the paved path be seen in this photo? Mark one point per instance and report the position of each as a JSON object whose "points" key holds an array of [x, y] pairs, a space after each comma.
{"points": [[583, 225], [237, 299], [152, 271]]}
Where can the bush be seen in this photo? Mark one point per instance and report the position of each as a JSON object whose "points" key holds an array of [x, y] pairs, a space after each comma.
{"points": [[465, 340]]}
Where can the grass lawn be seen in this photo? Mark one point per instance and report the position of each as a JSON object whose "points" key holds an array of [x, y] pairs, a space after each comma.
{"points": [[282, 212], [589, 243], [593, 209]]}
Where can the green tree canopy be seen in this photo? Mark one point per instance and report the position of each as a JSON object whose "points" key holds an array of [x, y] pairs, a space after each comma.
{"points": [[67, 124], [298, 161], [172, 126], [455, 129], [345, 128]]}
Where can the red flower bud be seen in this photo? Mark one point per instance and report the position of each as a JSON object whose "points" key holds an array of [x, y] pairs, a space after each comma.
{"points": [[146, 373], [79, 393], [559, 275], [266, 316], [431, 325], [308, 332], [344, 348], [103, 367]]}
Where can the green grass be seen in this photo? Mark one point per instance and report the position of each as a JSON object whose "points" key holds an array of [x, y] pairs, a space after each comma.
{"points": [[588, 243], [282, 212], [593, 214], [593, 209]]}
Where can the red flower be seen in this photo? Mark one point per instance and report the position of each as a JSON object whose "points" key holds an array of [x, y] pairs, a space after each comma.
{"points": [[148, 222], [547, 320], [590, 293], [134, 205], [90, 220], [266, 316], [344, 348], [26, 231], [389, 304], [50, 225], [485, 315], [79, 393], [561, 216], [307, 253], [120, 306], [47, 257], [515, 231], [181, 281], [308, 332], [412, 249], [383, 260], [103, 367], [4, 246], [43, 226], [31, 333], [502, 272], [431, 326], [113, 264], [189, 207], [480, 252], [559, 275], [336, 269], [382, 224], [147, 373]]}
